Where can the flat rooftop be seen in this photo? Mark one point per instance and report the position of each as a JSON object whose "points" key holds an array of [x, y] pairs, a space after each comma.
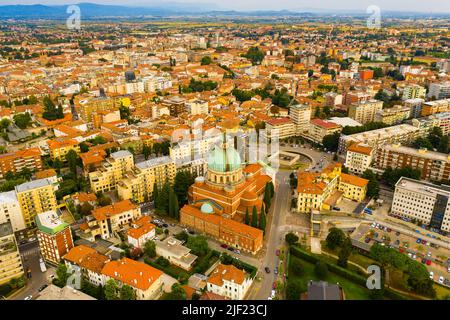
{"points": [[32, 185], [422, 187], [154, 162], [422, 153], [50, 222]]}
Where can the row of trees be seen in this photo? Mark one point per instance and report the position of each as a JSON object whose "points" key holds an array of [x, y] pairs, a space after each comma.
{"points": [[338, 240], [434, 140], [166, 201]]}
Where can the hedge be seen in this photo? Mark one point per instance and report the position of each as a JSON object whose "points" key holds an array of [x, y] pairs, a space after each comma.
{"points": [[176, 272]]}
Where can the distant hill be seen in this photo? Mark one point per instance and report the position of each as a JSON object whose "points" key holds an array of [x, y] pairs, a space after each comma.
{"points": [[91, 11]]}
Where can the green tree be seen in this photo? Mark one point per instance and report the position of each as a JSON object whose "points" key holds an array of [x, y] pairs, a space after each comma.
{"points": [[331, 141], [198, 245], [183, 180], [291, 238], [61, 275], [321, 270], [294, 289], [127, 293], [150, 249], [262, 219], [345, 252], [85, 209], [267, 196], [72, 160], [111, 290], [174, 211], [247, 217], [335, 238], [22, 120], [254, 217], [146, 151], [206, 60]]}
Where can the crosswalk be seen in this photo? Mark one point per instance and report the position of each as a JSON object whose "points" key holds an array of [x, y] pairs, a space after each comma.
{"points": [[29, 252]]}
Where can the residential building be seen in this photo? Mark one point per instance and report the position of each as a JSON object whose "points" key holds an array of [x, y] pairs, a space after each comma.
{"points": [[394, 115], [144, 279], [35, 197], [104, 222], [111, 171], [439, 90], [281, 128], [415, 106], [402, 133], [358, 158], [426, 124], [322, 290], [54, 236], [414, 92], [319, 128], [86, 106], [364, 112], [229, 281], [138, 184], [422, 201], [141, 231], [300, 116], [10, 262], [65, 293], [434, 166], [322, 191], [437, 106], [196, 107], [89, 261], [59, 148], [173, 250], [10, 210], [15, 162]]}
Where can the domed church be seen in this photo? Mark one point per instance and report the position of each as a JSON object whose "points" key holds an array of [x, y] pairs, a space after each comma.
{"points": [[219, 201]]}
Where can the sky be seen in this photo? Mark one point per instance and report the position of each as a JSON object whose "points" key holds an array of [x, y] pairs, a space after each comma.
{"points": [[360, 5]]}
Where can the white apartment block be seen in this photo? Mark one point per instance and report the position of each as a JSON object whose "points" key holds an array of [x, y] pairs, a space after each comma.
{"points": [[415, 106], [10, 211], [364, 112], [196, 107], [439, 90], [425, 202], [229, 281], [359, 158], [300, 116], [414, 92]]}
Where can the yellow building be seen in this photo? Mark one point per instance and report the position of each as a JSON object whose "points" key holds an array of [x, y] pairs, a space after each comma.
{"points": [[319, 128], [35, 197], [111, 171], [60, 147], [138, 185], [10, 262], [86, 106], [394, 115], [321, 191]]}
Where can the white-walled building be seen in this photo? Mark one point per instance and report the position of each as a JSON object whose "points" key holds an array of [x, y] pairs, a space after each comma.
{"points": [[10, 210], [229, 281], [359, 158]]}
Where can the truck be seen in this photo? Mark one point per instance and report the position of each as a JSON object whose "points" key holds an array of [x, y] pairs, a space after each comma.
{"points": [[367, 211], [42, 265]]}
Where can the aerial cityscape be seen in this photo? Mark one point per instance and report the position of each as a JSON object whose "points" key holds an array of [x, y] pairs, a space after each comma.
{"points": [[225, 151]]}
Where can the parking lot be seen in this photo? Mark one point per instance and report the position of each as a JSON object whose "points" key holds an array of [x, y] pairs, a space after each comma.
{"points": [[433, 256]]}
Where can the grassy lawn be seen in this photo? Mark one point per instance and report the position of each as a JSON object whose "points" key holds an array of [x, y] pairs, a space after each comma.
{"points": [[441, 291], [352, 290]]}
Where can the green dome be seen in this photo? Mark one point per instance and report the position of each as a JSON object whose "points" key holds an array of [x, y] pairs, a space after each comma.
{"points": [[224, 160], [207, 208]]}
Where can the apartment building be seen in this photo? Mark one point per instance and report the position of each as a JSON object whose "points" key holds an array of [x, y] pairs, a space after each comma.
{"points": [[173, 250], [10, 262], [59, 148], [434, 166], [105, 222], [439, 90], [426, 124], [422, 201], [196, 107], [402, 133], [322, 191], [229, 281], [54, 236], [141, 231], [394, 115], [358, 158], [111, 171], [189, 150], [17, 161], [281, 128], [437, 106], [86, 106], [415, 106], [414, 92], [144, 279], [139, 183], [176, 105], [364, 112], [35, 197], [10, 210], [319, 128], [300, 116]]}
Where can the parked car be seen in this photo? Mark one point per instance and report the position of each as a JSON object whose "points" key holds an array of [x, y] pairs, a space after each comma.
{"points": [[389, 229], [230, 249], [275, 270], [419, 240], [237, 251], [431, 275], [367, 240], [267, 269], [28, 297], [424, 260], [397, 233], [428, 262], [397, 242], [32, 239], [429, 254], [223, 245], [165, 225], [43, 287], [373, 225], [424, 241], [414, 256], [441, 279], [23, 241]]}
